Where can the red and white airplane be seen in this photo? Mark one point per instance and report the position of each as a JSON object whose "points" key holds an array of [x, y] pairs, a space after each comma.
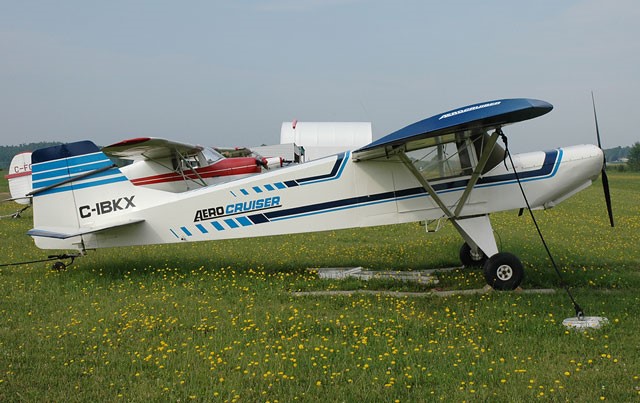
{"points": [[177, 167]]}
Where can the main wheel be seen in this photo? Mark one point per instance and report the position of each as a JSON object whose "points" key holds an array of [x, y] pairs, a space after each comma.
{"points": [[503, 271], [469, 258]]}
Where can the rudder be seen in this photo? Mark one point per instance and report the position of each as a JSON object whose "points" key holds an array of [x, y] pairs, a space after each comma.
{"points": [[72, 185], [19, 178]]}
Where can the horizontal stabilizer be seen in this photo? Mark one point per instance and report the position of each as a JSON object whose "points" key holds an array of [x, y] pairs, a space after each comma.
{"points": [[485, 116], [67, 232], [20, 199]]}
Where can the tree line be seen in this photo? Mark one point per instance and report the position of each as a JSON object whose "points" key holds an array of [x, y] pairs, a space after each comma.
{"points": [[7, 152], [616, 154], [633, 162]]}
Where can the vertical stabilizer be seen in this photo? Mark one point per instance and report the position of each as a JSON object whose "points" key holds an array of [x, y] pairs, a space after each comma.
{"points": [[19, 178], [76, 188]]}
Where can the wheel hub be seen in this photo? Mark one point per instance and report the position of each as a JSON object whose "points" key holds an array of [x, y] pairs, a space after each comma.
{"points": [[504, 272], [476, 255]]}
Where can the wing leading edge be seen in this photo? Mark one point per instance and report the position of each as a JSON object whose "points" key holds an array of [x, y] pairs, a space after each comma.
{"points": [[485, 116]]}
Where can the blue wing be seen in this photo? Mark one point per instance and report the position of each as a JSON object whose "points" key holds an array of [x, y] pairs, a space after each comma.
{"points": [[486, 116]]}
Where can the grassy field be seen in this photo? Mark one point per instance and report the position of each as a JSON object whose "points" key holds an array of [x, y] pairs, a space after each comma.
{"points": [[218, 322], [4, 185]]}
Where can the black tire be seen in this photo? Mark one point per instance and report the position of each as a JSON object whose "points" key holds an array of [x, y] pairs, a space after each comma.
{"points": [[58, 266], [503, 271], [470, 259]]}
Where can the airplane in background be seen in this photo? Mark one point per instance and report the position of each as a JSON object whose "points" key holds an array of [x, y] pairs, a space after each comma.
{"points": [[159, 164], [177, 167], [447, 166], [19, 179]]}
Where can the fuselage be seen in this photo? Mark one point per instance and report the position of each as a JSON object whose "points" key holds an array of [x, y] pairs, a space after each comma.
{"points": [[330, 193]]}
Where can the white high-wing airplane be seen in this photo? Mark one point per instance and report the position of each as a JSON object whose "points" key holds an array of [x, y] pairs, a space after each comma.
{"points": [[19, 179], [449, 165]]}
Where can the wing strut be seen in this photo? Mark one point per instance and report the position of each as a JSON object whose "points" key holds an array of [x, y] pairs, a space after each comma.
{"points": [[476, 230], [425, 184], [186, 161], [71, 179], [484, 158]]}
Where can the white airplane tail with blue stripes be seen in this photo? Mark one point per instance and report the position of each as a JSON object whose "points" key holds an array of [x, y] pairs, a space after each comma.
{"points": [[72, 188]]}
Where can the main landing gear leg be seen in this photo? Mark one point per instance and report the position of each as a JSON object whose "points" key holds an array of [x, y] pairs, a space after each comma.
{"points": [[472, 256], [502, 271]]}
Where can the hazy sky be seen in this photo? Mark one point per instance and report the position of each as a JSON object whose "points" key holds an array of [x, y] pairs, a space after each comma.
{"points": [[229, 72]]}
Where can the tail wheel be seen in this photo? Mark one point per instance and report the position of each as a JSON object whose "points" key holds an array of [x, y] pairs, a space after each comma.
{"points": [[471, 258], [503, 271], [58, 266]]}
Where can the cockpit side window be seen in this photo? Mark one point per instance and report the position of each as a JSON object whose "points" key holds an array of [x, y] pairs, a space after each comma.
{"points": [[440, 161], [208, 156], [190, 162]]}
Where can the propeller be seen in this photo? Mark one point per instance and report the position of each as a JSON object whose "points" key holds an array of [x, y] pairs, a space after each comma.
{"points": [[605, 180]]}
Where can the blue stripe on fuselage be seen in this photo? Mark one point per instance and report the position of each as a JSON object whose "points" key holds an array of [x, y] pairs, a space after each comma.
{"points": [[336, 171], [548, 169]]}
